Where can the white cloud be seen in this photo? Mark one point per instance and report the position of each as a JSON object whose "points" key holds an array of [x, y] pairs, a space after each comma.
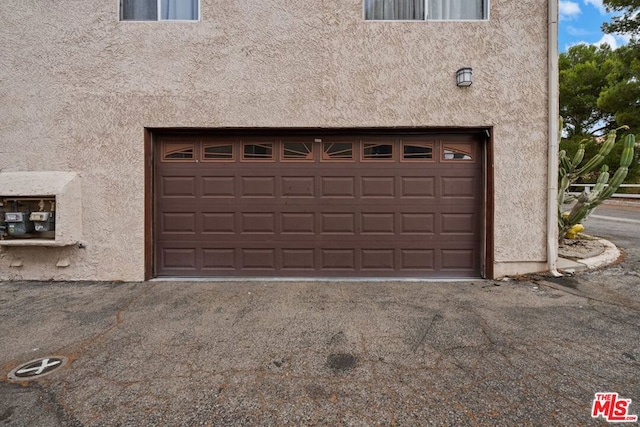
{"points": [[623, 38], [597, 4], [614, 41], [568, 9], [609, 39]]}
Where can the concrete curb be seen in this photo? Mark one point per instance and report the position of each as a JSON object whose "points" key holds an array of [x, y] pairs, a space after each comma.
{"points": [[610, 255]]}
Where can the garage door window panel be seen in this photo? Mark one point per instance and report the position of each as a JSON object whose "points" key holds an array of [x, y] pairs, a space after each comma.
{"points": [[337, 151], [178, 152], [458, 152], [218, 152], [257, 151], [374, 151], [417, 151], [297, 151]]}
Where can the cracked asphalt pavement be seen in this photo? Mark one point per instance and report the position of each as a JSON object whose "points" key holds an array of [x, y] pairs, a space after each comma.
{"points": [[521, 352]]}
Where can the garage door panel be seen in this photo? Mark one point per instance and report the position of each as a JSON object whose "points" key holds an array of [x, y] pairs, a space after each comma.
{"points": [[319, 218], [338, 259], [257, 222], [178, 187], [223, 259], [338, 186], [218, 186], [178, 223], [179, 259], [377, 223], [417, 223], [459, 223], [378, 259], [378, 187], [417, 260], [303, 259], [459, 259], [219, 223], [418, 187], [297, 187], [258, 186], [258, 259], [459, 187], [298, 223], [338, 223]]}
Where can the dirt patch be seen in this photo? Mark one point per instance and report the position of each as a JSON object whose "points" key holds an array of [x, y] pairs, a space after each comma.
{"points": [[580, 248], [342, 362]]}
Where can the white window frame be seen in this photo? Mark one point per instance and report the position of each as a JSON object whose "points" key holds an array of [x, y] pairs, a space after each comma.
{"points": [[159, 14], [426, 15]]}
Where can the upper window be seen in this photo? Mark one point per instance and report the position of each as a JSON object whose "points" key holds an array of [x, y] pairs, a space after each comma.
{"points": [[422, 10], [159, 10]]}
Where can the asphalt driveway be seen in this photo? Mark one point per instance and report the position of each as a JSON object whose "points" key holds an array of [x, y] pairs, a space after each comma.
{"points": [[510, 353]]}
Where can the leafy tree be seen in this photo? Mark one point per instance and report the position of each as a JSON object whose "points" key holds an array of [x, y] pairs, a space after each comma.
{"points": [[628, 22], [600, 91], [621, 96], [584, 72]]}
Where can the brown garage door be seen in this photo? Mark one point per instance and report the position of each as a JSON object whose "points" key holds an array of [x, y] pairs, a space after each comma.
{"points": [[318, 206]]}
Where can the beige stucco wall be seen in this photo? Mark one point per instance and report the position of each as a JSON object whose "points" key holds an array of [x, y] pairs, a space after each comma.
{"points": [[77, 88]]}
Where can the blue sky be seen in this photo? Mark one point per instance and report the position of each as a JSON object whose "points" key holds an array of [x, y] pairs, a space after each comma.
{"points": [[580, 22]]}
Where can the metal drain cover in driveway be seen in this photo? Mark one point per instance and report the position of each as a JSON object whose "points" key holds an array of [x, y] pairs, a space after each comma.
{"points": [[37, 368]]}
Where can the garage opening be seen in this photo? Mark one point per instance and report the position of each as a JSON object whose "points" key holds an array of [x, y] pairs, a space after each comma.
{"points": [[318, 204]]}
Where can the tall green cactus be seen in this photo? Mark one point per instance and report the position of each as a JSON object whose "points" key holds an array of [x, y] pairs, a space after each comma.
{"points": [[569, 171]]}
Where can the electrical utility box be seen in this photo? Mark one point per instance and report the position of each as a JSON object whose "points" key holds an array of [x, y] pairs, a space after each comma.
{"points": [[27, 218]]}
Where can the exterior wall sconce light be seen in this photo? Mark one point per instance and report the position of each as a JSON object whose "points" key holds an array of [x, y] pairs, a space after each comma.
{"points": [[463, 77]]}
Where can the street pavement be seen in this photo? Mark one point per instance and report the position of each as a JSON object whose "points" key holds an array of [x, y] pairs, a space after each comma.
{"points": [[619, 222], [529, 352]]}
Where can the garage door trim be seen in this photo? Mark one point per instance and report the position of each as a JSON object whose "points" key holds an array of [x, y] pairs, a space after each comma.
{"points": [[484, 156]]}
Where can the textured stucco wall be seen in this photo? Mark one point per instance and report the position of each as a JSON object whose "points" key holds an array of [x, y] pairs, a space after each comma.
{"points": [[77, 87]]}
